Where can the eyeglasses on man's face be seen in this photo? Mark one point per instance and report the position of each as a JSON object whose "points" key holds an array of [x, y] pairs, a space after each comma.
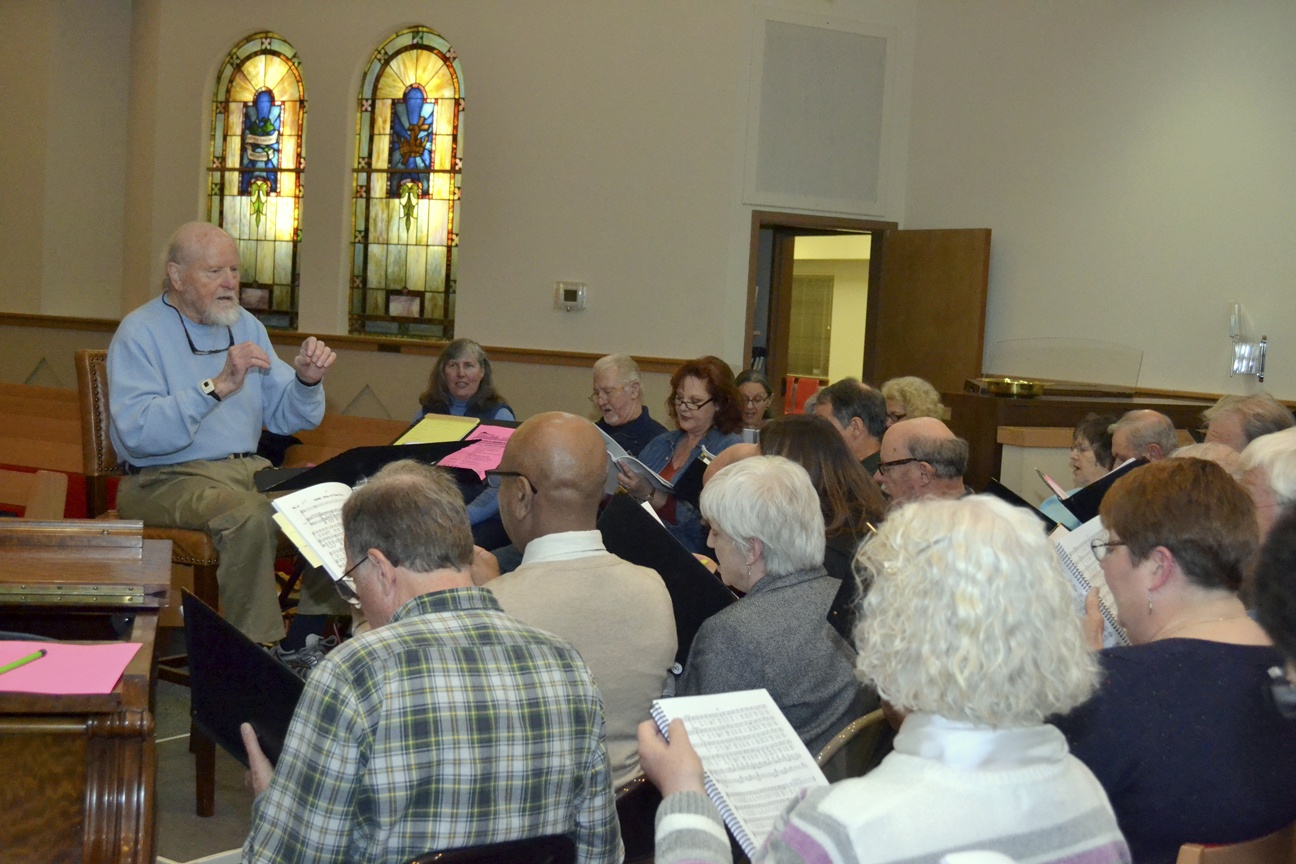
{"points": [[690, 404], [495, 479], [885, 467], [606, 394]]}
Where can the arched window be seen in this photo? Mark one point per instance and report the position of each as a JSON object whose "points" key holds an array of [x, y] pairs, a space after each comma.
{"points": [[258, 127], [406, 220]]}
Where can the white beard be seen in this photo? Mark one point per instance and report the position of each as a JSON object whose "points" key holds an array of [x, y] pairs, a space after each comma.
{"points": [[223, 314]]}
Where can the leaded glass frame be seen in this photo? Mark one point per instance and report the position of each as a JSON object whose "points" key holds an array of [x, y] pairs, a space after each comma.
{"points": [[405, 223], [258, 134]]}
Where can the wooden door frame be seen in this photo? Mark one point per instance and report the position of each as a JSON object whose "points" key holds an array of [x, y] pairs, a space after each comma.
{"points": [[807, 224]]}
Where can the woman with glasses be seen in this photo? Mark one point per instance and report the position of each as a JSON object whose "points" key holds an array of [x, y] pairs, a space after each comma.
{"points": [[969, 630], [755, 390], [461, 384], [1183, 733], [705, 407], [911, 396]]}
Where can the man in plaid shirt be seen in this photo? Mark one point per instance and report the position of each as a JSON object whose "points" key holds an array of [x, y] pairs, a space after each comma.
{"points": [[448, 725]]}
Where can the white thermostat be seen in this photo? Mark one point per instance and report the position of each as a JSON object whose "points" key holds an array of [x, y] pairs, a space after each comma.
{"points": [[569, 296]]}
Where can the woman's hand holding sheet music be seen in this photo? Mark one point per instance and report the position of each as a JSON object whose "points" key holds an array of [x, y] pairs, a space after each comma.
{"points": [[673, 766]]}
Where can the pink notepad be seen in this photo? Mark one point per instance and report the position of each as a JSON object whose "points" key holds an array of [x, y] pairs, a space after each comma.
{"points": [[65, 670], [485, 454]]}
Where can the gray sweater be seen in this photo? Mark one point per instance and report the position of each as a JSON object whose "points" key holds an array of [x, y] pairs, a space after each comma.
{"points": [[778, 637]]}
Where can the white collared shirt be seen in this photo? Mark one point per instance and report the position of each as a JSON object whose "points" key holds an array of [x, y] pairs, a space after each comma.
{"points": [[564, 546]]}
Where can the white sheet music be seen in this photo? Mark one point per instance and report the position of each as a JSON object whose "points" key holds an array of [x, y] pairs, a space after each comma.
{"points": [[316, 513], [754, 761], [1082, 567]]}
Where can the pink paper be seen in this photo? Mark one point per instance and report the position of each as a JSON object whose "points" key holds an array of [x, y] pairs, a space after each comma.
{"points": [[483, 455], [66, 669]]}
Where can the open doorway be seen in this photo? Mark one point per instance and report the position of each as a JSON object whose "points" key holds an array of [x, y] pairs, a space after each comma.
{"points": [[924, 301], [808, 287]]}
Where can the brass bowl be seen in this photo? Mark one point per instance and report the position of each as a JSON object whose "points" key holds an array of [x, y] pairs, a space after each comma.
{"points": [[1021, 388]]}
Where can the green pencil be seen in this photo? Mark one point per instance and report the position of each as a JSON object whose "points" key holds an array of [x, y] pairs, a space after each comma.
{"points": [[9, 667]]}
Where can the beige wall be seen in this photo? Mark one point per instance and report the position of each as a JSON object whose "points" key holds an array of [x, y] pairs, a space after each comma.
{"points": [[1134, 160]]}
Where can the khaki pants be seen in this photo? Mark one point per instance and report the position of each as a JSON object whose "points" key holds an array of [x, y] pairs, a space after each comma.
{"points": [[220, 497]]}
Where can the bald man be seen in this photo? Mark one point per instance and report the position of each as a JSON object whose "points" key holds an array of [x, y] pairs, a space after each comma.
{"points": [[192, 379], [1143, 434], [617, 614], [921, 458]]}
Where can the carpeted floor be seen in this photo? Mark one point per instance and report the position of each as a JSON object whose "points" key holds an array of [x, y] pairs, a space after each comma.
{"points": [[182, 836]]}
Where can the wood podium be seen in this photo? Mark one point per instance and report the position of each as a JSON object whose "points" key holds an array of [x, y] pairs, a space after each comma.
{"points": [[80, 771]]}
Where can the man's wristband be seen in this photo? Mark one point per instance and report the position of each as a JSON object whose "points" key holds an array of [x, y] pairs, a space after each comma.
{"points": [[304, 384]]}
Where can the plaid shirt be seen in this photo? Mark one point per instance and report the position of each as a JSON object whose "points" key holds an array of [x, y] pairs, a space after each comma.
{"points": [[454, 725]]}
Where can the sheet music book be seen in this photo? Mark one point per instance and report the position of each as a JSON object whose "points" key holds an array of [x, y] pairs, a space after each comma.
{"points": [[1081, 565], [630, 532], [315, 516], [753, 761], [631, 465], [233, 680]]}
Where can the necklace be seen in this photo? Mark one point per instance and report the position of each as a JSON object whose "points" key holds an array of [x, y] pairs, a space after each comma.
{"points": [[1178, 627]]}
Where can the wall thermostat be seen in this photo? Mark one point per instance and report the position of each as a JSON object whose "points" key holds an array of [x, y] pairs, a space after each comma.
{"points": [[569, 296]]}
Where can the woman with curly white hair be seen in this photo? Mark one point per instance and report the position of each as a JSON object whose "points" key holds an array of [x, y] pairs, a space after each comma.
{"points": [[969, 629]]}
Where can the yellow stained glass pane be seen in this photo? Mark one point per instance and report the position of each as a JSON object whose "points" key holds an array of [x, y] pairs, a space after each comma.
{"points": [[396, 267], [381, 153], [279, 78], [405, 67], [255, 70], [443, 186], [441, 153], [241, 89], [265, 262], [291, 115], [415, 267], [437, 220], [390, 85], [382, 117], [229, 184], [420, 232], [442, 85], [234, 123], [282, 298], [378, 220], [394, 223], [282, 263], [445, 116], [283, 226], [377, 189], [287, 184], [376, 303], [377, 265], [424, 64], [247, 260], [436, 268], [433, 305]]}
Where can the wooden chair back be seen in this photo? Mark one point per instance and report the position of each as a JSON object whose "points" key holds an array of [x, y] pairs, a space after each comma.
{"points": [[41, 494], [1275, 848], [856, 749], [98, 459]]}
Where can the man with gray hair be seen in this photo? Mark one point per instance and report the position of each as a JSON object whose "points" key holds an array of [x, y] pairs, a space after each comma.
{"points": [[859, 412], [619, 398], [1143, 434], [922, 458], [1269, 465], [1236, 421], [448, 725]]}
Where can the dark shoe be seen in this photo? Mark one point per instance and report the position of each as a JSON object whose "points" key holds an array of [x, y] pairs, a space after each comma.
{"points": [[304, 659]]}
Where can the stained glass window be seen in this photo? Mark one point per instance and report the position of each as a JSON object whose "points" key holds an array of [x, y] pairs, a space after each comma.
{"points": [[255, 189], [406, 218]]}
